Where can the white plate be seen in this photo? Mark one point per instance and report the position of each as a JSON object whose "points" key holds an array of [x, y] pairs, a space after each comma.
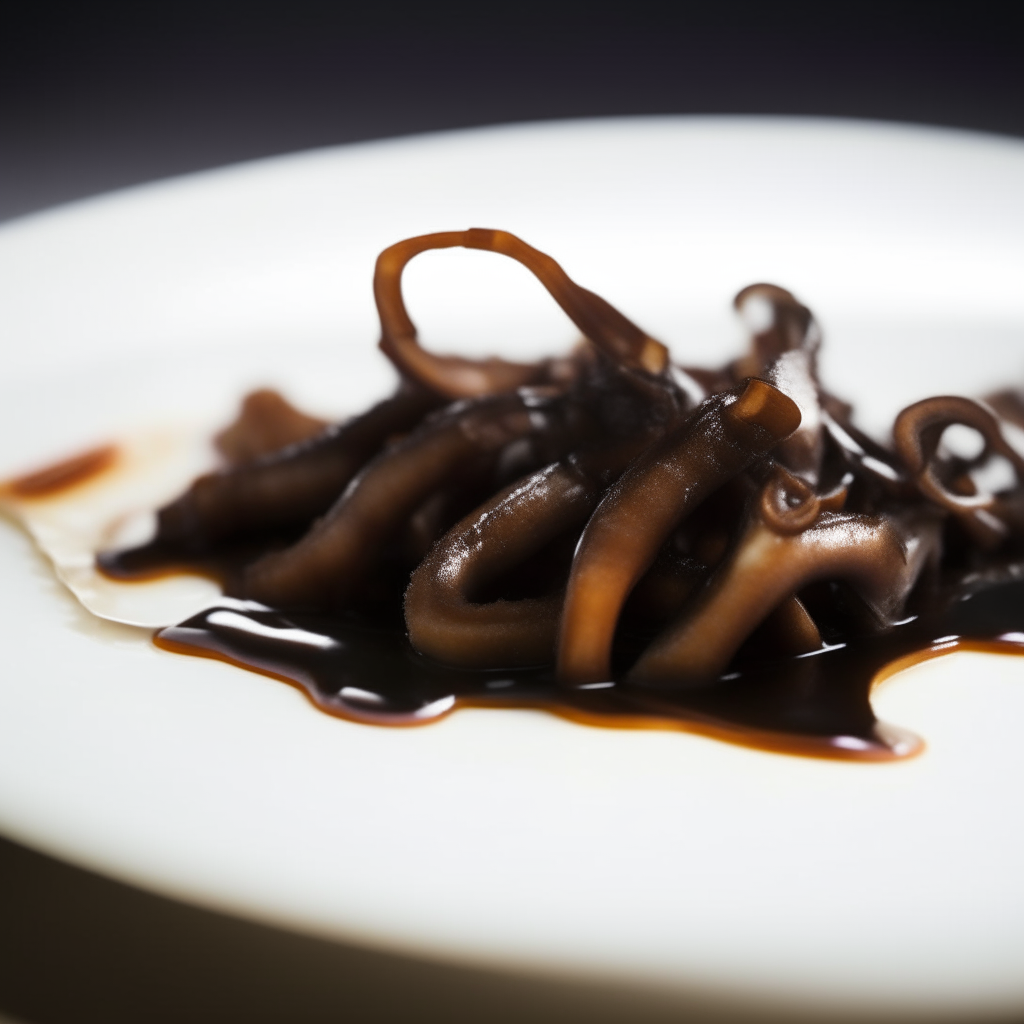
{"points": [[505, 837]]}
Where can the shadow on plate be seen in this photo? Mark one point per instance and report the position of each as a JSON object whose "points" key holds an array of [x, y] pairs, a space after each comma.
{"points": [[77, 948]]}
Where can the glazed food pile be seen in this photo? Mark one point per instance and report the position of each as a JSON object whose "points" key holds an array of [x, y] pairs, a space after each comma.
{"points": [[604, 534]]}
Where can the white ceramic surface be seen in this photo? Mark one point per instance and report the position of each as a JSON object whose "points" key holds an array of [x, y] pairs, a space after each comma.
{"points": [[507, 837]]}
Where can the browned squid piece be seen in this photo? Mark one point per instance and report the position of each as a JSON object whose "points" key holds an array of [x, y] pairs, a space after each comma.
{"points": [[793, 538], [443, 612], [446, 612], [329, 564], [290, 487], [783, 350], [784, 346], [725, 435], [285, 489], [615, 335], [988, 518], [624, 369], [686, 559], [457, 607]]}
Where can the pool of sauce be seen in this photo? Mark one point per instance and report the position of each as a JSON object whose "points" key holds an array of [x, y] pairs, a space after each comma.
{"points": [[816, 704]]}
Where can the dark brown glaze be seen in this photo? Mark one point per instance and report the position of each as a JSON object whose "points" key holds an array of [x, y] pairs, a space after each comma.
{"points": [[63, 476], [817, 704], [607, 536], [224, 563]]}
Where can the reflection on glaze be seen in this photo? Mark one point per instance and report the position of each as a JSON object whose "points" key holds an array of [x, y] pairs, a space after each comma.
{"points": [[816, 703]]}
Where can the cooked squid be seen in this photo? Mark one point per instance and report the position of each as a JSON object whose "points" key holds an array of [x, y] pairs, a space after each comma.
{"points": [[603, 533]]}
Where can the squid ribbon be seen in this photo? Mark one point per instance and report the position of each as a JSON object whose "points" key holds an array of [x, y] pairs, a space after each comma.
{"points": [[725, 436], [620, 339], [329, 564], [917, 433], [793, 538], [551, 505]]}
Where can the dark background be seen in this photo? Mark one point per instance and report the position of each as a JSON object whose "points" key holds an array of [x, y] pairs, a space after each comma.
{"points": [[98, 96]]}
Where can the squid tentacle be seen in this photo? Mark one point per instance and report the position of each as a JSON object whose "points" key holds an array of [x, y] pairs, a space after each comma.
{"points": [[444, 621], [725, 435], [784, 351], [917, 432], [327, 566], [292, 486], [880, 556], [618, 337]]}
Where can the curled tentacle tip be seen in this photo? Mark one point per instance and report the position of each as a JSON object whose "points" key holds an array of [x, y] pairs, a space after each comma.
{"points": [[917, 434], [764, 290], [761, 405], [789, 505], [778, 321], [758, 304]]}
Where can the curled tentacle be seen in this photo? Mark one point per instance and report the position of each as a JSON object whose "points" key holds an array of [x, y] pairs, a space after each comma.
{"points": [[880, 556], [444, 619], [784, 344], [443, 613], [917, 433], [778, 324], [328, 565], [615, 335], [788, 505], [290, 487], [723, 437]]}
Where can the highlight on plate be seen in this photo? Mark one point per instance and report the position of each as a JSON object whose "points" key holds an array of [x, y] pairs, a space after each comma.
{"points": [[603, 534]]}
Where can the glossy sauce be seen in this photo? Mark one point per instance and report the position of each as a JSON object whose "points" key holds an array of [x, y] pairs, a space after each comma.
{"points": [[817, 704]]}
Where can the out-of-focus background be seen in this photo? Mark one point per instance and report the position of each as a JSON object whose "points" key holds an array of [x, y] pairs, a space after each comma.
{"points": [[98, 96]]}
